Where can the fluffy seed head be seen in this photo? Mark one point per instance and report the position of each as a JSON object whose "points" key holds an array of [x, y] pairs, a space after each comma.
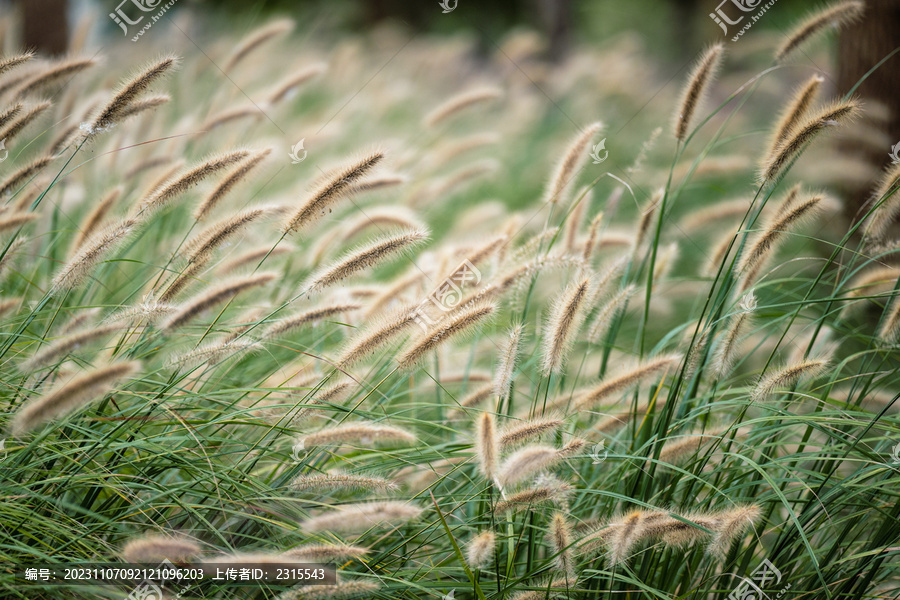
{"points": [[506, 365], [176, 186], [474, 398], [678, 450], [520, 432], [94, 249], [21, 175], [63, 346], [889, 332], [230, 115], [456, 323], [365, 257], [229, 183], [533, 497], [378, 335], [568, 165], [16, 126], [560, 539], [257, 38], [460, 102], [363, 433], [68, 397], [593, 235], [886, 201], [8, 114], [16, 220], [532, 459], [329, 189], [798, 106], [61, 71], [309, 316], [527, 462], [566, 317], [835, 16], [695, 91], [557, 588], [346, 590], [93, 219], [730, 344], [199, 249], [761, 248], [215, 295], [326, 482], [356, 518], [144, 104], [486, 445], [627, 379], [788, 376], [729, 525], [481, 550], [626, 536], [11, 62], [156, 548], [373, 184], [124, 99], [326, 553], [801, 134], [646, 220], [214, 352], [285, 87], [608, 313]]}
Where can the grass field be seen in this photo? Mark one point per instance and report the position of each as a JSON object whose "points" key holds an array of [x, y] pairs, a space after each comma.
{"points": [[462, 326]]}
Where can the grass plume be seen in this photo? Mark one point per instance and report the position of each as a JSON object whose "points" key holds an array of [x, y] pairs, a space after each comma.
{"points": [[695, 91], [68, 397]]}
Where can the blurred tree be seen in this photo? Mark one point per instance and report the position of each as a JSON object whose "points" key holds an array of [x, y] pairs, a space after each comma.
{"points": [[862, 46], [556, 21], [45, 25]]}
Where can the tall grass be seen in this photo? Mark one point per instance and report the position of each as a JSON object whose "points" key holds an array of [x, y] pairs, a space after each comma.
{"points": [[642, 388]]}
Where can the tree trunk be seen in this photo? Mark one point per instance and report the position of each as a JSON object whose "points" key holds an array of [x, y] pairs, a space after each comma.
{"points": [[862, 46], [556, 19], [45, 26]]}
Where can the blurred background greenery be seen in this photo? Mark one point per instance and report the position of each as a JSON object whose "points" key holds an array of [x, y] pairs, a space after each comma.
{"points": [[664, 25], [670, 32]]}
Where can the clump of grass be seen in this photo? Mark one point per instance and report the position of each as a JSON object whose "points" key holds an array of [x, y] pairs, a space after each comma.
{"points": [[212, 354]]}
